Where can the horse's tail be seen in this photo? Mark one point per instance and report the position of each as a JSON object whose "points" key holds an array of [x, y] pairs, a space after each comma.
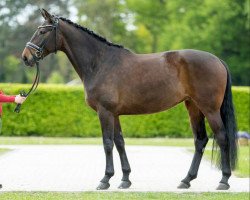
{"points": [[229, 120]]}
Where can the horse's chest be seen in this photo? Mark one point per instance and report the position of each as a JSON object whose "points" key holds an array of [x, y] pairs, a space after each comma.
{"points": [[91, 102], [99, 98]]}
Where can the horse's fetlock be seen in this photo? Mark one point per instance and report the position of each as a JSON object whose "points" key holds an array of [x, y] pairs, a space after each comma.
{"points": [[192, 176], [126, 170], [226, 174], [109, 174]]}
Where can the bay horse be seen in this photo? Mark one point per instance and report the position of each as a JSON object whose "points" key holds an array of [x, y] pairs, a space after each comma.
{"points": [[119, 82]]}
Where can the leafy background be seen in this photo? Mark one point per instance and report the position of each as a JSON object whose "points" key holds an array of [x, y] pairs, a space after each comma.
{"points": [[59, 110], [144, 26]]}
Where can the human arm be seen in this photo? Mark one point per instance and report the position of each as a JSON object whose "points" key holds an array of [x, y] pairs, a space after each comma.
{"points": [[6, 98], [10, 98]]}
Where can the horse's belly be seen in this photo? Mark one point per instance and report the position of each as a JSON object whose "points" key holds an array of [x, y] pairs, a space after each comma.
{"points": [[151, 101]]}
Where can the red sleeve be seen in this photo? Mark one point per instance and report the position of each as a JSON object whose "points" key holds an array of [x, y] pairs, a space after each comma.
{"points": [[6, 98]]}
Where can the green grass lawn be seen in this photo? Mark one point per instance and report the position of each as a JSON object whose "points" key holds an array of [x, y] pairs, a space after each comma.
{"points": [[244, 162], [243, 169], [121, 196]]}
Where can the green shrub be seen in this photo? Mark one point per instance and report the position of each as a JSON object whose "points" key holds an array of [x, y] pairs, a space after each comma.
{"points": [[59, 110]]}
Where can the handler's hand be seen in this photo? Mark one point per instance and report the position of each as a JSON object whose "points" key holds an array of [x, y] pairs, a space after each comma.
{"points": [[19, 99]]}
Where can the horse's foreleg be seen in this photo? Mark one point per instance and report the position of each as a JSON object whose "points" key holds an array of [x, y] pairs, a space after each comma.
{"points": [[120, 145], [200, 140], [107, 124]]}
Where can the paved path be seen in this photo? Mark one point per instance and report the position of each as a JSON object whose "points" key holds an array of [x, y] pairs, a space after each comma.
{"points": [[80, 168]]}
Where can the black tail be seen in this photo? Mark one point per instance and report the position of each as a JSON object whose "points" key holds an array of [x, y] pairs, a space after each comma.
{"points": [[229, 120]]}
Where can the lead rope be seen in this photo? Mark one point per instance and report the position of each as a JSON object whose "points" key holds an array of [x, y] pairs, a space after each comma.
{"points": [[32, 89], [37, 58]]}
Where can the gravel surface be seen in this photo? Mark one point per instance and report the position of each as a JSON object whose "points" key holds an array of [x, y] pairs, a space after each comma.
{"points": [[81, 167]]}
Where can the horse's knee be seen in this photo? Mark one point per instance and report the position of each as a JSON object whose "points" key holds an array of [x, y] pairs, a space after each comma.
{"points": [[200, 144], [108, 145], [119, 143]]}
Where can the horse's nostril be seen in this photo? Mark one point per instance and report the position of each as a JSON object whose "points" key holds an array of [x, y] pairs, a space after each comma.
{"points": [[25, 58]]}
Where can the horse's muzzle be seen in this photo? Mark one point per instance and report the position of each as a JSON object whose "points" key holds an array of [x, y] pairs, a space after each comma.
{"points": [[28, 58]]}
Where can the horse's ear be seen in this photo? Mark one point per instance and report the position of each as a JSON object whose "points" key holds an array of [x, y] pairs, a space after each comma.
{"points": [[42, 13], [46, 15]]}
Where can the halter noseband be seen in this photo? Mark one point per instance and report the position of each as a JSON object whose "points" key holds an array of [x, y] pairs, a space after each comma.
{"points": [[37, 57], [39, 50]]}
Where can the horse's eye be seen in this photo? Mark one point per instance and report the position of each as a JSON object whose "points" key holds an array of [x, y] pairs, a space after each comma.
{"points": [[42, 32]]}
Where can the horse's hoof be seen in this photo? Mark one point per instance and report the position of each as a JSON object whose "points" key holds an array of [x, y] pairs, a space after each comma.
{"points": [[223, 186], [125, 184], [103, 186], [184, 185]]}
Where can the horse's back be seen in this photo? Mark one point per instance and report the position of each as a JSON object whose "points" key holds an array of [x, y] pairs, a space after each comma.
{"points": [[170, 77], [148, 83]]}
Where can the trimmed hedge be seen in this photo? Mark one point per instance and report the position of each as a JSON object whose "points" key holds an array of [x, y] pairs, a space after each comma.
{"points": [[59, 110]]}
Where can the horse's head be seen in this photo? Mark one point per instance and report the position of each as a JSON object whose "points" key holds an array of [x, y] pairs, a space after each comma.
{"points": [[44, 41]]}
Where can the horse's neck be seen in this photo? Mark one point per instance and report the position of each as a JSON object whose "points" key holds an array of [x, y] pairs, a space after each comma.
{"points": [[83, 51]]}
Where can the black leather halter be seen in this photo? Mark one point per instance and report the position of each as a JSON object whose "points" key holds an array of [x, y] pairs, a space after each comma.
{"points": [[39, 49], [38, 56]]}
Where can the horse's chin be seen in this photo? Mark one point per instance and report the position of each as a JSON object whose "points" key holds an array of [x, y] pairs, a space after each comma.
{"points": [[30, 63]]}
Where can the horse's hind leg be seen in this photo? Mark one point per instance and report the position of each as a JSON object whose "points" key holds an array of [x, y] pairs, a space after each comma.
{"points": [[216, 124], [200, 140], [120, 145]]}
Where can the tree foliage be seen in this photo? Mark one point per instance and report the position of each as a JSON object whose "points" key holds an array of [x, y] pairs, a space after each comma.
{"points": [[19, 20], [144, 26]]}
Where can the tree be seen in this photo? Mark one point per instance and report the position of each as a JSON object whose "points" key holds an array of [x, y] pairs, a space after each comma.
{"points": [[151, 15], [16, 30], [106, 17], [219, 27], [145, 26]]}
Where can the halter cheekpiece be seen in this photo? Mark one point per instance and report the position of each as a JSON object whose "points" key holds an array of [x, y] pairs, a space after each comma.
{"points": [[39, 50]]}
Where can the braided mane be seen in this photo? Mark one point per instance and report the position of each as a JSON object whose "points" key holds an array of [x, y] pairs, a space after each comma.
{"points": [[98, 37]]}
